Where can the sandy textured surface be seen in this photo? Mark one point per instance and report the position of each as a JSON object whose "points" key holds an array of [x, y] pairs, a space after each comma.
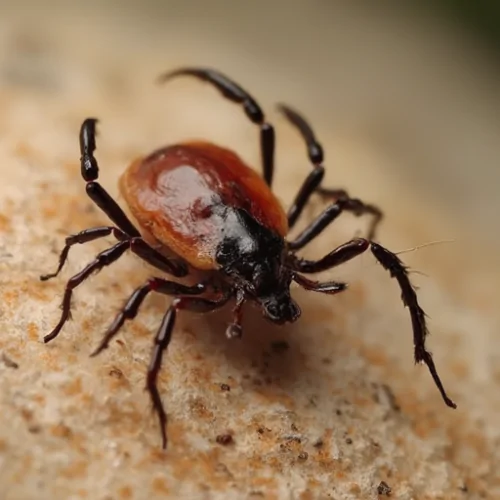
{"points": [[330, 414]]}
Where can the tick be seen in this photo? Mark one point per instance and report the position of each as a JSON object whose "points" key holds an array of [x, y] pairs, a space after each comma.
{"points": [[199, 209]]}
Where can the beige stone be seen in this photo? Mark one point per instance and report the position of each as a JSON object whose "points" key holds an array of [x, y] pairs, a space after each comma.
{"points": [[343, 408]]}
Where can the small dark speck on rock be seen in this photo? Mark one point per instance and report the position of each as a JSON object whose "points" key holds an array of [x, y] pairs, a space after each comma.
{"points": [[225, 387], [338, 412], [254, 494], [391, 398], [224, 439], [313, 401], [223, 469], [384, 489], [280, 346], [318, 443], [348, 441], [464, 488], [9, 363], [293, 437], [116, 373], [303, 455]]}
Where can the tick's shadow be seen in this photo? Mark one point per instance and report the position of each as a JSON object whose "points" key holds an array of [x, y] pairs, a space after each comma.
{"points": [[266, 352]]}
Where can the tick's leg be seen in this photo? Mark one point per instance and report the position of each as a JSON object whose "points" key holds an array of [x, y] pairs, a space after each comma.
{"points": [[332, 193], [323, 220], [90, 173], [312, 182], [84, 236], [103, 259], [398, 270], [338, 256], [235, 93], [357, 207], [315, 153], [392, 263], [234, 329], [329, 287], [162, 340], [137, 246], [318, 225], [133, 304]]}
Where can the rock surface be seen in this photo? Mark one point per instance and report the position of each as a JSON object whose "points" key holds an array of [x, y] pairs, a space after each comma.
{"points": [[330, 407]]}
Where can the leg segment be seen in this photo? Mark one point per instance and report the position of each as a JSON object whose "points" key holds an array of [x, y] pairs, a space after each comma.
{"points": [[84, 236], [357, 207], [137, 246], [135, 301], [318, 225], [162, 340], [332, 193], [329, 287], [234, 330], [90, 173], [103, 259], [398, 270], [315, 153], [235, 93], [314, 179], [329, 215], [338, 256]]}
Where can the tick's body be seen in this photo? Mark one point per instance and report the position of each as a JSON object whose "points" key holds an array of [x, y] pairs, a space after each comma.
{"points": [[187, 197], [199, 207]]}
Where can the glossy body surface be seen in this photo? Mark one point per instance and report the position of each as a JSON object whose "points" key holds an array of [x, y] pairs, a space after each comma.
{"points": [[188, 197]]}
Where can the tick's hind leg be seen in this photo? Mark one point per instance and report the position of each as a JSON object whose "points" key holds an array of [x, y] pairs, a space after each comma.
{"points": [[162, 340], [312, 183], [137, 246], [84, 236], [235, 93], [131, 308], [103, 259]]}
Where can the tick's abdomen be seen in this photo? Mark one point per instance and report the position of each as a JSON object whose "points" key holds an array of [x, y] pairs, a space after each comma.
{"points": [[183, 196]]}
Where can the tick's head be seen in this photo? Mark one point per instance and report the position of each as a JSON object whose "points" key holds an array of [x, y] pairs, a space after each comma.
{"points": [[280, 308], [270, 288], [253, 257]]}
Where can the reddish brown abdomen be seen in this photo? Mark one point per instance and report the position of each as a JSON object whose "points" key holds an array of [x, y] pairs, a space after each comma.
{"points": [[177, 193]]}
